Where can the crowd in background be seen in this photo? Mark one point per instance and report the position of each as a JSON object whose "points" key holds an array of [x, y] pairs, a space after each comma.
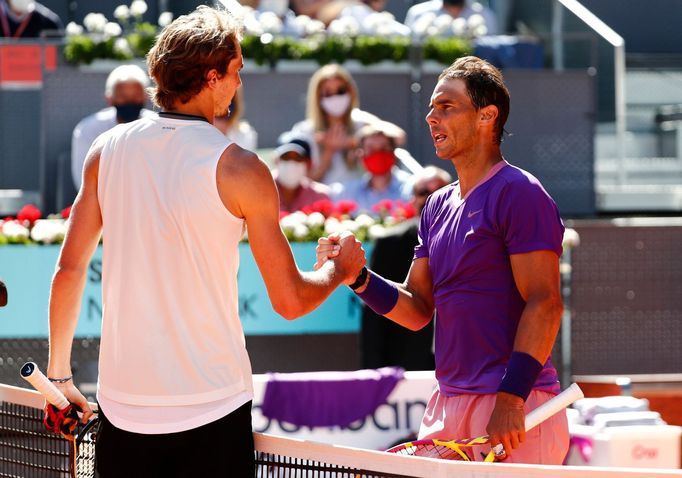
{"points": [[337, 153]]}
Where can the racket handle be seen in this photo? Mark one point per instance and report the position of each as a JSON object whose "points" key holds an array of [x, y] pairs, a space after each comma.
{"points": [[553, 406], [32, 374]]}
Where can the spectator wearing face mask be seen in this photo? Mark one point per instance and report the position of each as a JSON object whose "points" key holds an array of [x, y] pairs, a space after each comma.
{"points": [[333, 119], [27, 19], [383, 179], [125, 93], [296, 190]]}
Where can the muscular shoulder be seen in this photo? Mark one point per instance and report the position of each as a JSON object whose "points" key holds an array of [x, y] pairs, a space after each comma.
{"points": [[237, 163], [243, 178]]}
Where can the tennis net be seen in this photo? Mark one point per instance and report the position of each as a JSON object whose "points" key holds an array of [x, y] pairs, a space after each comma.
{"points": [[28, 451]]}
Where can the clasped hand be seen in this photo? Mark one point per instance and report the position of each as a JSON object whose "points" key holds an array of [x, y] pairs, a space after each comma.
{"points": [[346, 252]]}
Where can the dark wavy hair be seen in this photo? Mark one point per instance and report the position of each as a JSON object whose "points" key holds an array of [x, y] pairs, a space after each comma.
{"points": [[187, 49], [485, 86]]}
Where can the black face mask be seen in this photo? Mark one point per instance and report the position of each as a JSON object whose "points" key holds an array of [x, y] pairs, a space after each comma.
{"points": [[128, 112]]}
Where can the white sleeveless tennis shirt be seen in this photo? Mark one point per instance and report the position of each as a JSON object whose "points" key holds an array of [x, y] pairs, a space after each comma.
{"points": [[171, 335]]}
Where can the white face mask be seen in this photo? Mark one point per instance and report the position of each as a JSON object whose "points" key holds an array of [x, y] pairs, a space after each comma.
{"points": [[336, 105], [21, 6], [290, 173]]}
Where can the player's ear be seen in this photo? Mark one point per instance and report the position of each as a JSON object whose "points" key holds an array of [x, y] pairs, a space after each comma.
{"points": [[212, 77], [488, 114]]}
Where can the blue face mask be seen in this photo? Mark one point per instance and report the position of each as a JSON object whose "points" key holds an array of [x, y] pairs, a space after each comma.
{"points": [[127, 112]]}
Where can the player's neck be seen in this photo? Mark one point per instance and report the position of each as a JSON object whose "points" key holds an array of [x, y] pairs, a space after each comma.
{"points": [[472, 168], [197, 106]]}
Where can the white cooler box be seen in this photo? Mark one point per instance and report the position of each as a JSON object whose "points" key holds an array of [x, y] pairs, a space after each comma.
{"points": [[639, 446]]}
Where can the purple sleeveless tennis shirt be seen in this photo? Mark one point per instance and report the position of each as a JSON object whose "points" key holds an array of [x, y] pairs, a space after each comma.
{"points": [[478, 307]]}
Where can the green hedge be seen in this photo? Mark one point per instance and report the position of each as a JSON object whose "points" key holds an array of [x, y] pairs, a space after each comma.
{"points": [[268, 49]]}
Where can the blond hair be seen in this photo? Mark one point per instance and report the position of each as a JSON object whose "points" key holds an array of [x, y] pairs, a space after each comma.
{"points": [[314, 112], [187, 49]]}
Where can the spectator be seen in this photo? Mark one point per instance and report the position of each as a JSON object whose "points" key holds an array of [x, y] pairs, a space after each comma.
{"points": [[234, 127], [125, 93], [385, 343], [455, 8], [296, 190], [333, 118], [27, 19], [383, 180]]}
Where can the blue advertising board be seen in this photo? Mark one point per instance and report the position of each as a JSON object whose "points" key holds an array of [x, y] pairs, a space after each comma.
{"points": [[28, 270]]}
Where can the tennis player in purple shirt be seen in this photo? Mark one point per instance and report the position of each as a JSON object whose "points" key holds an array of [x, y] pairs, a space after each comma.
{"points": [[487, 263]]}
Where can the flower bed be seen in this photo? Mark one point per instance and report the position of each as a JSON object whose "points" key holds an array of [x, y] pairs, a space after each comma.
{"points": [[318, 220]]}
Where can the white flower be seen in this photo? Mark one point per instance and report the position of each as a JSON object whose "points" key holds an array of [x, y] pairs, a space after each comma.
{"points": [[48, 231], [112, 29], [314, 27], [73, 28], [292, 220], [441, 25], [270, 23], [459, 27], [376, 231], [301, 231], [331, 225], [344, 26], [122, 47], [475, 20], [423, 23], [14, 230], [95, 22], [138, 8], [349, 225], [480, 31], [165, 19], [315, 219], [364, 220], [122, 13], [252, 25]]}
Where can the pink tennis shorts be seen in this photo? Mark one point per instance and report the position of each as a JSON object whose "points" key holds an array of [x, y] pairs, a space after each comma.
{"points": [[466, 416]]}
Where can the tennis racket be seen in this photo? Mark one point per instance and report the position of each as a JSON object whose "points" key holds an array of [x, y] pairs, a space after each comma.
{"points": [[462, 449], [64, 418]]}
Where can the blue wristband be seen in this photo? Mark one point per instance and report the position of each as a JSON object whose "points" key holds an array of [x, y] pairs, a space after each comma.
{"points": [[522, 371], [380, 295]]}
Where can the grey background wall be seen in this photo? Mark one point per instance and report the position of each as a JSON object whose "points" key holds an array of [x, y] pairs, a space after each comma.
{"points": [[552, 120]]}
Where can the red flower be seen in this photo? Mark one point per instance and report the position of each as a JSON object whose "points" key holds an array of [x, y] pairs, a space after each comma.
{"points": [[323, 206], [29, 213], [346, 207], [283, 214], [66, 212], [384, 206], [407, 210]]}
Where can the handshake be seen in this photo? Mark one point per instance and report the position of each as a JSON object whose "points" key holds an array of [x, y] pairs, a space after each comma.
{"points": [[345, 252]]}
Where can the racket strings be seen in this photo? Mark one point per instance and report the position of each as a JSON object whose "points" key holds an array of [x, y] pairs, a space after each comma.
{"points": [[450, 451]]}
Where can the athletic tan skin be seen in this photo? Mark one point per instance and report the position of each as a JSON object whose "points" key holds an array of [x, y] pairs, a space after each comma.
{"points": [[465, 136]]}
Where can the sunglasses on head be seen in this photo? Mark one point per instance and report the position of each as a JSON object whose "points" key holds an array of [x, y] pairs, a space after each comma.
{"points": [[342, 90]]}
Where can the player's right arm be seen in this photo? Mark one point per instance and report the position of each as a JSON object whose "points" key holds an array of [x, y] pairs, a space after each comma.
{"points": [[248, 190], [82, 237]]}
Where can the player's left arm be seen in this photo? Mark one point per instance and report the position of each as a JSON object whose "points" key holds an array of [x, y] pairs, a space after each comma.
{"points": [[537, 278]]}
